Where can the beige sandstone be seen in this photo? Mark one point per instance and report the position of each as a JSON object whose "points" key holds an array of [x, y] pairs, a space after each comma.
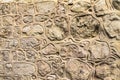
{"points": [[59, 39]]}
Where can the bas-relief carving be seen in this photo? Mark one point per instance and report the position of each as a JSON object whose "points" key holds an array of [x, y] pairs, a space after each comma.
{"points": [[59, 40]]}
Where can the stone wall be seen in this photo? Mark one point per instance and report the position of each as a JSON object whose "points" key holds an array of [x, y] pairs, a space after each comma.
{"points": [[60, 40]]}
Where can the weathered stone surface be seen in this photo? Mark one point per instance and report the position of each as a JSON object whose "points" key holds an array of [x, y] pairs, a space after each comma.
{"points": [[29, 42], [59, 39], [83, 27], [31, 55], [5, 31], [99, 50], [11, 43], [78, 70], [7, 20], [37, 29], [18, 55], [20, 8], [112, 26], [26, 30], [81, 6], [31, 9], [116, 4], [49, 49], [20, 68], [59, 30], [41, 17], [43, 68], [5, 56], [28, 19], [4, 8], [45, 7]]}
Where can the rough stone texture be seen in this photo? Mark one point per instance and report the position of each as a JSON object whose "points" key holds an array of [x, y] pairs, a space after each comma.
{"points": [[59, 39]]}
